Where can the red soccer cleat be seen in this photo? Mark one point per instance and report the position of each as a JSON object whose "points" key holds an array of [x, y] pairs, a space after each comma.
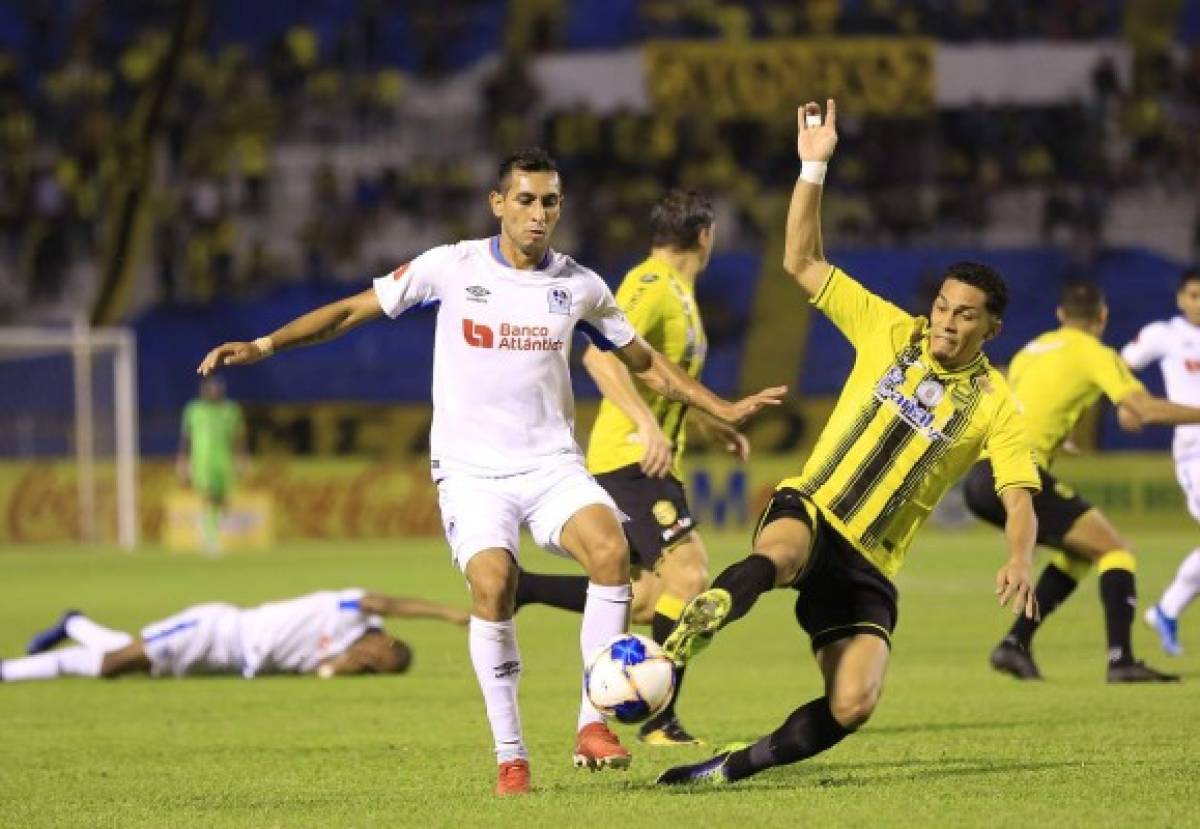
{"points": [[596, 747], [513, 778]]}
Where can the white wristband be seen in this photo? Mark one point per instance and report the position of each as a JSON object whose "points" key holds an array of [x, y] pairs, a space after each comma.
{"points": [[265, 345], [813, 171]]}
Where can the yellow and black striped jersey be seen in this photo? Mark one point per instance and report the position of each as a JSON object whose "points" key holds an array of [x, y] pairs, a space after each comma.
{"points": [[661, 305], [1057, 376], [904, 428]]}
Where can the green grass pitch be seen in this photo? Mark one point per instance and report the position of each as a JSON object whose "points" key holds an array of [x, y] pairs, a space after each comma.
{"points": [[952, 744]]}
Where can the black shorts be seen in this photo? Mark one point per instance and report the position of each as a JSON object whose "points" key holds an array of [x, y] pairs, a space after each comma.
{"points": [[841, 593], [657, 508], [1057, 506]]}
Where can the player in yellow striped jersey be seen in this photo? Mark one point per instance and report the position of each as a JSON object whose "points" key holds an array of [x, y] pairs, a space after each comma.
{"points": [[638, 439], [919, 407], [1057, 377]]}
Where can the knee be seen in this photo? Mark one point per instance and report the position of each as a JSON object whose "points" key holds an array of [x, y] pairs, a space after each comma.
{"points": [[852, 707], [608, 559], [493, 590]]}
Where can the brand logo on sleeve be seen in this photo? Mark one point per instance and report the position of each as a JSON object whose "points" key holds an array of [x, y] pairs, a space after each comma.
{"points": [[560, 300], [400, 271]]}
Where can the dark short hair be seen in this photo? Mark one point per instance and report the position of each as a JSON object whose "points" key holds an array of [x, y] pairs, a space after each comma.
{"points": [[986, 279], [1081, 300], [1190, 275], [678, 217], [527, 160]]}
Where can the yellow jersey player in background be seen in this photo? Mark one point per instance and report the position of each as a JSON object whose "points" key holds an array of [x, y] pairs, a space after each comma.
{"points": [[638, 439], [920, 406], [1057, 377]]}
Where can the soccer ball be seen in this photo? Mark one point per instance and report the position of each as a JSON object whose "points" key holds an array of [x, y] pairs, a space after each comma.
{"points": [[630, 678]]}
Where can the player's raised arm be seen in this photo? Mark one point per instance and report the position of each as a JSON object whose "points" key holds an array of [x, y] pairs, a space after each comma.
{"points": [[617, 387], [401, 608], [324, 323], [803, 254], [1020, 528], [673, 383]]}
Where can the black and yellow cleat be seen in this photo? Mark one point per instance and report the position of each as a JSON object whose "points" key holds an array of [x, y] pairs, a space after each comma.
{"points": [[1138, 672], [1012, 659], [697, 624], [709, 772], [669, 732]]}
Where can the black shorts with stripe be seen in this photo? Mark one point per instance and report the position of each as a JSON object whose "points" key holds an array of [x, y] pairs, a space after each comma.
{"points": [[657, 508], [1057, 506], [842, 594]]}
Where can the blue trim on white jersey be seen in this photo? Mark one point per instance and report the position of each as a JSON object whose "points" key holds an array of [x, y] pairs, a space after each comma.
{"points": [[163, 634], [593, 333], [349, 604], [498, 255]]}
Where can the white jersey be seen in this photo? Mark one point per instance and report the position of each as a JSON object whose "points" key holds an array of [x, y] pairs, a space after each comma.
{"points": [[297, 635], [502, 401], [1175, 346]]}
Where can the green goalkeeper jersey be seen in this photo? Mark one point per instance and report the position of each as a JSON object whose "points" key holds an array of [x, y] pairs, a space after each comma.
{"points": [[212, 429]]}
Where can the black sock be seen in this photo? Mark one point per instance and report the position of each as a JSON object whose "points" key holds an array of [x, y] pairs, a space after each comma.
{"points": [[660, 628], [809, 730], [1118, 594], [565, 592], [746, 581], [1053, 588]]}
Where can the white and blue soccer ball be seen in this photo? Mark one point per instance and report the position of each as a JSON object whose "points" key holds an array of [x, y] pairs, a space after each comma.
{"points": [[630, 678]]}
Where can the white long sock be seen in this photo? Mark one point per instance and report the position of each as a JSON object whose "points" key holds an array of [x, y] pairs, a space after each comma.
{"points": [[497, 664], [1184, 588], [605, 615], [91, 635], [52, 664]]}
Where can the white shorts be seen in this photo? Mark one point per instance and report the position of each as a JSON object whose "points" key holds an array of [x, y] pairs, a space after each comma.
{"points": [[1188, 473], [482, 513], [204, 639]]}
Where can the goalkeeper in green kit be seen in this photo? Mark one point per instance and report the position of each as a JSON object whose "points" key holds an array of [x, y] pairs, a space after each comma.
{"points": [[211, 448]]}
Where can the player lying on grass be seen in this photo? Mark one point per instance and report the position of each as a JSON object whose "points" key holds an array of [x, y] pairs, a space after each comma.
{"points": [[1175, 345], [1057, 377], [502, 443], [330, 633], [637, 442], [919, 407]]}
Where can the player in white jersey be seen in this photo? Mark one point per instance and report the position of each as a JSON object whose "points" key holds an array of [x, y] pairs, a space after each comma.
{"points": [[330, 633], [1175, 345], [502, 443]]}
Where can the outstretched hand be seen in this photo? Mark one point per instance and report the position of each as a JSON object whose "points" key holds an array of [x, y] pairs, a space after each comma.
{"points": [[1012, 584], [748, 406], [816, 142], [230, 354]]}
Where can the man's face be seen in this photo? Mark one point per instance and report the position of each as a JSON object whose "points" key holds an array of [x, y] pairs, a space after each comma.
{"points": [[528, 210], [381, 654], [212, 388], [960, 323], [1188, 299]]}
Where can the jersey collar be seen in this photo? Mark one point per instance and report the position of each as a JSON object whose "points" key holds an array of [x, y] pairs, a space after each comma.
{"points": [[498, 255]]}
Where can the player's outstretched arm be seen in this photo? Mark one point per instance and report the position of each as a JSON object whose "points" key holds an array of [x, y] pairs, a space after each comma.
{"points": [[325, 323], [665, 378], [617, 387], [1020, 528], [401, 608], [803, 253], [1142, 408]]}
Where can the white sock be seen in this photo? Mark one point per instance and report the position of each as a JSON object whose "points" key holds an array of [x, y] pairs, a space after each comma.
{"points": [[605, 615], [1185, 587], [497, 664], [91, 635], [52, 664]]}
